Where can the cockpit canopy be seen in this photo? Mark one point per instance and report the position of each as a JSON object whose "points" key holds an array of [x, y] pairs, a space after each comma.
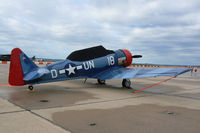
{"points": [[89, 53]]}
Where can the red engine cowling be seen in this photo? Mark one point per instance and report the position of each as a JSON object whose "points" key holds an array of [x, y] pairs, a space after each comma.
{"points": [[128, 57]]}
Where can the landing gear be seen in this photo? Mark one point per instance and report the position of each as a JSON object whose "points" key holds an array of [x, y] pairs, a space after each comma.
{"points": [[126, 83], [30, 88], [101, 81]]}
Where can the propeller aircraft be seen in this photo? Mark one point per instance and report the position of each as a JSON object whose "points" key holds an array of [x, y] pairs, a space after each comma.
{"points": [[95, 62]]}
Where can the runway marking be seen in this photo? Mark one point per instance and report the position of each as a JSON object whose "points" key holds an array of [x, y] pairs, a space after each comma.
{"points": [[153, 85], [8, 85], [11, 85]]}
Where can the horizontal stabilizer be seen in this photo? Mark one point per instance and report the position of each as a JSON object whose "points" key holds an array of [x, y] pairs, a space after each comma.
{"points": [[36, 74]]}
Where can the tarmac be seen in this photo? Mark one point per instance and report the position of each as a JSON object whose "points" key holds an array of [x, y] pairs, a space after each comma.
{"points": [[72, 106]]}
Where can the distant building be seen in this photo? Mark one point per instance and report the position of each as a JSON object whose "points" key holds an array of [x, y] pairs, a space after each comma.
{"points": [[5, 57]]}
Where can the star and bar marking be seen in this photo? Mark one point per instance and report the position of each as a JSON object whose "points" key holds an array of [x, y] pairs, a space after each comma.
{"points": [[71, 70]]}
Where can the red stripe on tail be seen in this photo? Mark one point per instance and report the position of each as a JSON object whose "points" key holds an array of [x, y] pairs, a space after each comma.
{"points": [[16, 73]]}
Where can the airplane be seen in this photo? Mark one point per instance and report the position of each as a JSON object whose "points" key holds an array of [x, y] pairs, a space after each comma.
{"points": [[94, 62]]}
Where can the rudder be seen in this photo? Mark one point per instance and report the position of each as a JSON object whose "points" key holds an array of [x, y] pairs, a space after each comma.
{"points": [[20, 65]]}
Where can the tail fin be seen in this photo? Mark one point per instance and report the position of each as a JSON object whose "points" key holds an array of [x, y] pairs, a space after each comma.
{"points": [[20, 65]]}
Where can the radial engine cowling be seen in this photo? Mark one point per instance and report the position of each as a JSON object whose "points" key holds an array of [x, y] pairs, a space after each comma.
{"points": [[126, 59]]}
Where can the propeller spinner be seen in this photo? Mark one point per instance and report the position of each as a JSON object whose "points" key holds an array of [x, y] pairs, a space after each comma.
{"points": [[129, 57]]}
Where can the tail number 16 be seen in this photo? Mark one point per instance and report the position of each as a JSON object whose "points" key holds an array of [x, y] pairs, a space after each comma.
{"points": [[111, 60]]}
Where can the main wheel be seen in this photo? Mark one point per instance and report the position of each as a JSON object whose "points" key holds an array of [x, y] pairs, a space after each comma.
{"points": [[126, 83], [30, 88], [101, 81]]}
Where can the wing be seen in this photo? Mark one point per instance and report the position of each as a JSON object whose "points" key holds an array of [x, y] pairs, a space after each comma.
{"points": [[35, 74], [123, 73]]}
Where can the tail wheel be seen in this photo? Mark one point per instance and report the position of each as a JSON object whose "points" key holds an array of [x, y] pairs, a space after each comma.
{"points": [[126, 83], [30, 88], [101, 81]]}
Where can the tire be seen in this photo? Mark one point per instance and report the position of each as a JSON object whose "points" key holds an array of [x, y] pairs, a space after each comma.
{"points": [[101, 81], [30, 87], [126, 83]]}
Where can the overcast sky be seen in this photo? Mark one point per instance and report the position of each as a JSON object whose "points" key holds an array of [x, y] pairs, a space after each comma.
{"points": [[163, 31]]}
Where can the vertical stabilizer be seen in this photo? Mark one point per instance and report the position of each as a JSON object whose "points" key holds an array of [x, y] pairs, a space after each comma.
{"points": [[20, 65]]}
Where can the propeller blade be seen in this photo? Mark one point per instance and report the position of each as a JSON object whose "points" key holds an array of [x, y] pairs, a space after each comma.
{"points": [[137, 56]]}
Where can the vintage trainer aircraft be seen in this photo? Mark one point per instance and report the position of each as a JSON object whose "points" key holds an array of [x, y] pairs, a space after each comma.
{"points": [[95, 62]]}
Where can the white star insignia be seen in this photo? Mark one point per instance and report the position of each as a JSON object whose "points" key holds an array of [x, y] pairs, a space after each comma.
{"points": [[71, 69]]}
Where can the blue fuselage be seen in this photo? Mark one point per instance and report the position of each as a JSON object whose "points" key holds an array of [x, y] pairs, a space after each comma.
{"points": [[67, 70]]}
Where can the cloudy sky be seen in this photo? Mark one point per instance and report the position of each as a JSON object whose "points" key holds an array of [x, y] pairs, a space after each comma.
{"points": [[163, 31]]}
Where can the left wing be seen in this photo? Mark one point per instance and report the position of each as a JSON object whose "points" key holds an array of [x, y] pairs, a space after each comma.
{"points": [[127, 73]]}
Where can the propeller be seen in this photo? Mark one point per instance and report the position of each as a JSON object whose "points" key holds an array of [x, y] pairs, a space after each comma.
{"points": [[137, 56]]}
